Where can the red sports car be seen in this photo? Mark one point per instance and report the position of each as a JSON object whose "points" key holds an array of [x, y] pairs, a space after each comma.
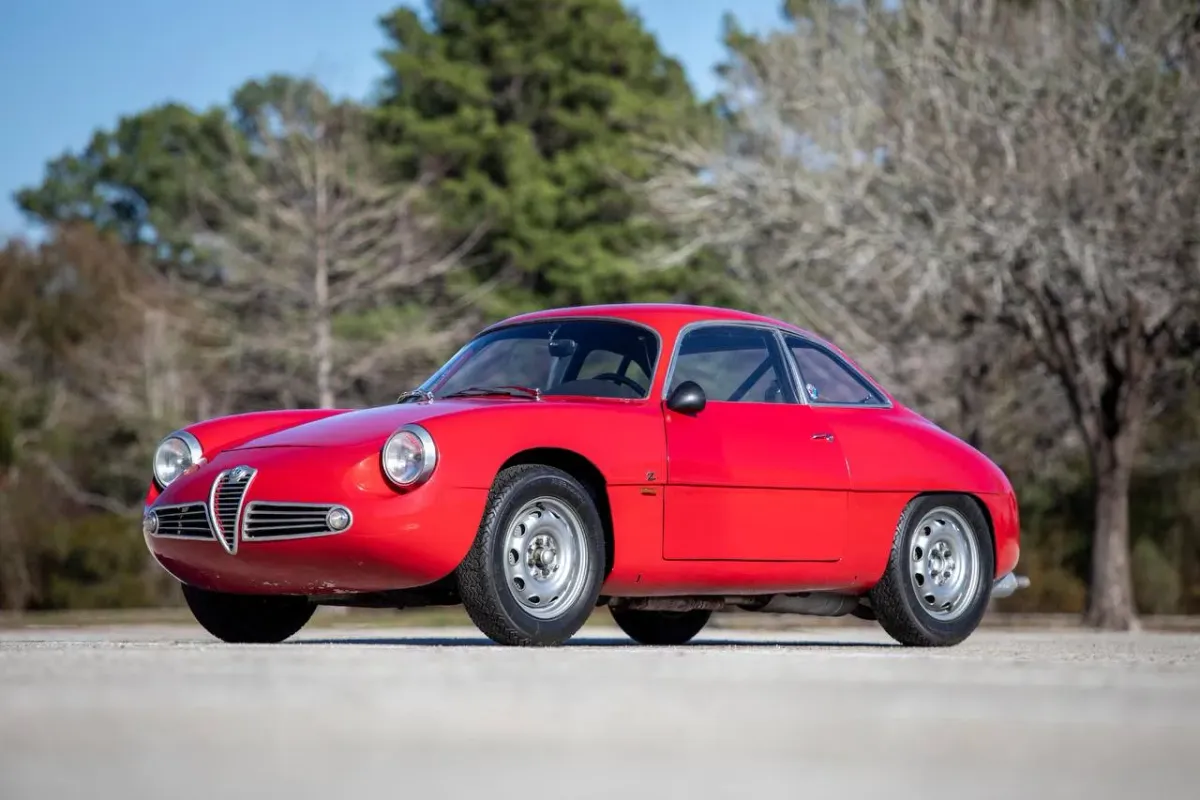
{"points": [[667, 461]]}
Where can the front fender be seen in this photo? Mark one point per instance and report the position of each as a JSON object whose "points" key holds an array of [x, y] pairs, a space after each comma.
{"points": [[625, 441]]}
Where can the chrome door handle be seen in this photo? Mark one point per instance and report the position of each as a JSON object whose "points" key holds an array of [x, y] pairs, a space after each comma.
{"points": [[826, 436]]}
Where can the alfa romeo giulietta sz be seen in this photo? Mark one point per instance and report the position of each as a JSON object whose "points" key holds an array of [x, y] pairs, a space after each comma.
{"points": [[666, 461]]}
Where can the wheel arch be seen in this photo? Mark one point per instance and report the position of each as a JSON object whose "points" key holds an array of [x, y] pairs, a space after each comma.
{"points": [[583, 470], [978, 503]]}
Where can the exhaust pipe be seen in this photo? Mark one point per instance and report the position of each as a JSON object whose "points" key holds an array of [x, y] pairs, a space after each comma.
{"points": [[1008, 584]]}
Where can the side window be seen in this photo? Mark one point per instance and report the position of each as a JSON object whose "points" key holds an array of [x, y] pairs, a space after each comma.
{"points": [[733, 363], [827, 379]]}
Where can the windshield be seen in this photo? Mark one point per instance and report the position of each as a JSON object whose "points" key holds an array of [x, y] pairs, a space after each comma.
{"points": [[592, 358]]}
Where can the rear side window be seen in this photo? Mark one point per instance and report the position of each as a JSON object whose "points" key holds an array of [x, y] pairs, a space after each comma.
{"points": [[829, 379]]}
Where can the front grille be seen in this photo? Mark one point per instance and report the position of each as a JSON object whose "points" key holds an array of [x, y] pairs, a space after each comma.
{"points": [[184, 522], [285, 520], [225, 503]]}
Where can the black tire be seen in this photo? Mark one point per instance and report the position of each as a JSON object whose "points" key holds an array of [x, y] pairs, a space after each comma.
{"points": [[899, 607], [489, 593], [661, 627], [246, 618]]}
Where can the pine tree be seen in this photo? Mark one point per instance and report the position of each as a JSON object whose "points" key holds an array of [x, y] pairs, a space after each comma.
{"points": [[539, 115]]}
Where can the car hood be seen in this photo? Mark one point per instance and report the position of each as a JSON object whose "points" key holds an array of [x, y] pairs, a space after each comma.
{"points": [[369, 426]]}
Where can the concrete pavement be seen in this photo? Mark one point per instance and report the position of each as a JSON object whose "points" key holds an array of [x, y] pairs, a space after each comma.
{"points": [[167, 712]]}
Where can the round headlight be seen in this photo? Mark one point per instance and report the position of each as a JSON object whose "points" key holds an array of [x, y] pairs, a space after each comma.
{"points": [[150, 523], [175, 455], [409, 456]]}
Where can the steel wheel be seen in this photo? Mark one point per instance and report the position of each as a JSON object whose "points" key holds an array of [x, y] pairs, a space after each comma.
{"points": [[533, 575], [938, 579], [546, 558], [943, 563]]}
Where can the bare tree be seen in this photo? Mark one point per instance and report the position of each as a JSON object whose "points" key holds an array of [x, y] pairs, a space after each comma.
{"points": [[93, 369], [1024, 181], [308, 237], [804, 199]]}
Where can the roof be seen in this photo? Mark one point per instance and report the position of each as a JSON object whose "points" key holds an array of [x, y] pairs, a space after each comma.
{"points": [[658, 315], [669, 318]]}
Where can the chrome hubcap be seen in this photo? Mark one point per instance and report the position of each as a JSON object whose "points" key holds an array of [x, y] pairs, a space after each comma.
{"points": [[546, 559], [944, 563]]}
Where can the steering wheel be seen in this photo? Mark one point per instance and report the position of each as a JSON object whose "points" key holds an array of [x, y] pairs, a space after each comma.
{"points": [[612, 376]]}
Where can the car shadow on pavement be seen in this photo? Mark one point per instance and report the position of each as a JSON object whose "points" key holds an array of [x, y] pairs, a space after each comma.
{"points": [[482, 641]]}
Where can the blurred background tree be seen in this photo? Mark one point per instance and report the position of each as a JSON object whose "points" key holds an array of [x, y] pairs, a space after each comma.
{"points": [[539, 114], [327, 274], [90, 370], [992, 205]]}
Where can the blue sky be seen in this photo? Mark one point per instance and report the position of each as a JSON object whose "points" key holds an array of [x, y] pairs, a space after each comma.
{"points": [[68, 67]]}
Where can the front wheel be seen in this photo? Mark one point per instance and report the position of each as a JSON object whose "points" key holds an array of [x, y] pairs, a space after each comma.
{"points": [[533, 575], [661, 627], [938, 580], [248, 618]]}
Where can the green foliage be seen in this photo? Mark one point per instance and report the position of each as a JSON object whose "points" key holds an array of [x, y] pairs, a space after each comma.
{"points": [[1055, 516], [132, 180], [8, 425], [1053, 586], [535, 114], [532, 117], [1156, 580], [97, 561]]}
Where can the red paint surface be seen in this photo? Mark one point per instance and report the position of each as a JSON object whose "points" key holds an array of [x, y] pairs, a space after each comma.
{"points": [[747, 481], [742, 498]]}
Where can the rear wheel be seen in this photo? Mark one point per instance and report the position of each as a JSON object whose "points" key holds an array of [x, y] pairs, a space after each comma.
{"points": [[248, 618], [661, 627], [533, 575], [939, 575]]}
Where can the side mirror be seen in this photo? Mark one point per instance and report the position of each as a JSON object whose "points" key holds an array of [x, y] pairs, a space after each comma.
{"points": [[688, 398]]}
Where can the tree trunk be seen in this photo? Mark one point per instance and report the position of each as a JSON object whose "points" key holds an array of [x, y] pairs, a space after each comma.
{"points": [[323, 324], [1111, 601], [970, 400], [324, 343], [1114, 446], [16, 584]]}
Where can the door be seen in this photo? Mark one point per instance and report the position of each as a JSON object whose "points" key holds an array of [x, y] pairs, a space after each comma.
{"points": [[755, 475]]}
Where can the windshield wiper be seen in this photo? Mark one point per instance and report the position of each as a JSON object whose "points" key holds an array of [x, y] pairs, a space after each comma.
{"points": [[510, 391], [421, 394]]}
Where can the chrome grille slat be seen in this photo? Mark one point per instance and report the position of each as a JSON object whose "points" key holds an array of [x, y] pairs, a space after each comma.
{"points": [[188, 521], [268, 520], [225, 504], [283, 515], [229, 519], [258, 532]]}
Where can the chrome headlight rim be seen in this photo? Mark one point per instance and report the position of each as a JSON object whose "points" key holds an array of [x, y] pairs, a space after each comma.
{"points": [[336, 512], [195, 454], [429, 456]]}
